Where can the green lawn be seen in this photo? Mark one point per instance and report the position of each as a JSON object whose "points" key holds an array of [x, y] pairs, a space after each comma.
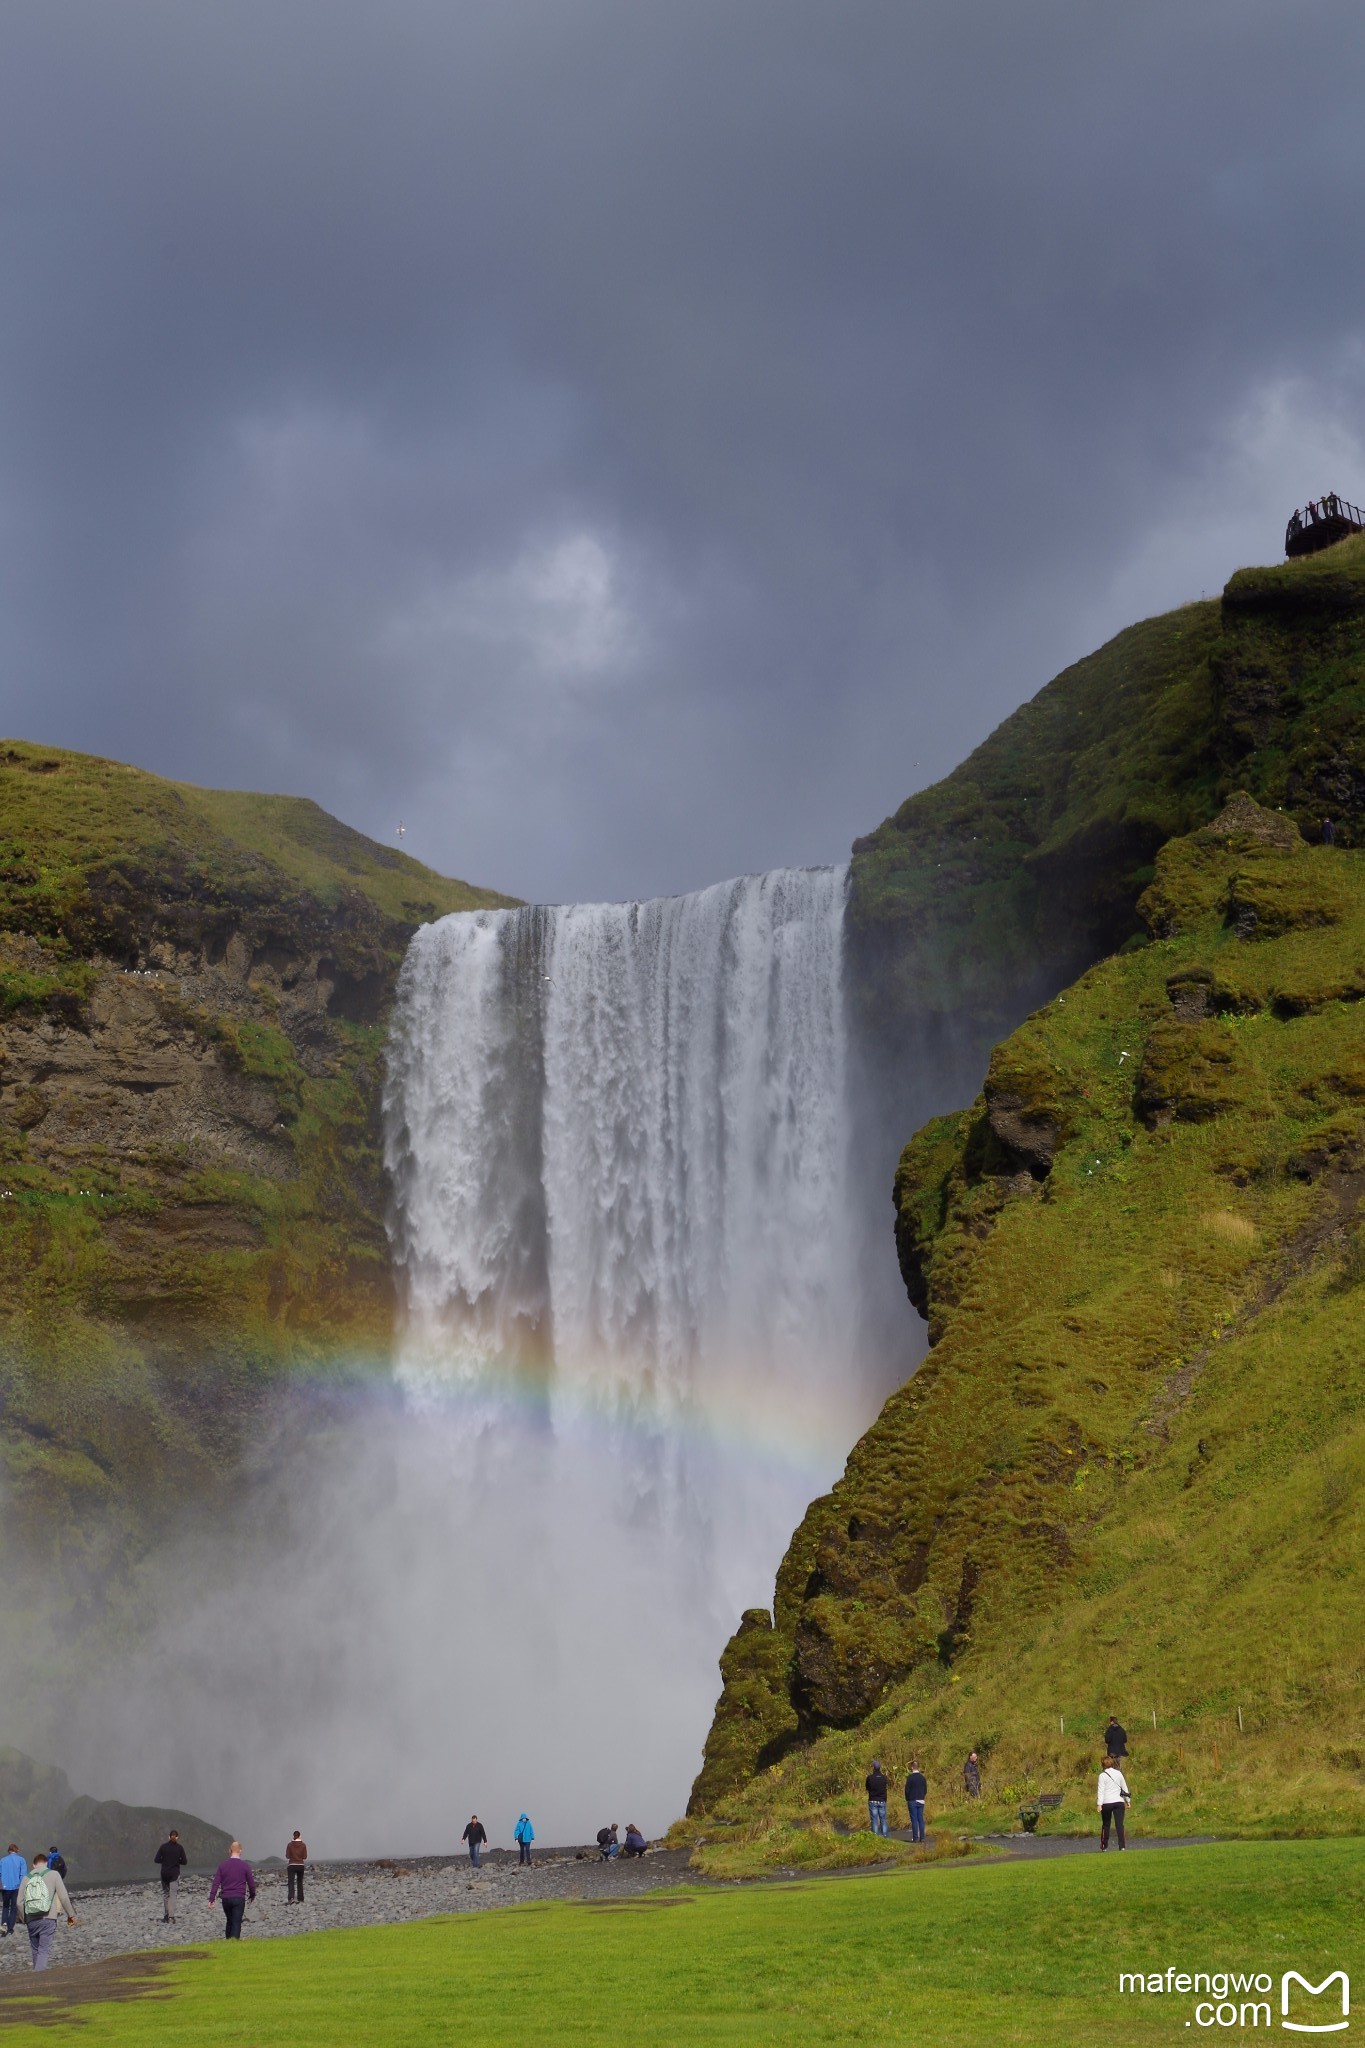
{"points": [[1004, 1953]]}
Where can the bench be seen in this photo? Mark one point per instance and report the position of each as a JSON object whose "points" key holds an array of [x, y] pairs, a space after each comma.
{"points": [[1047, 1801]]}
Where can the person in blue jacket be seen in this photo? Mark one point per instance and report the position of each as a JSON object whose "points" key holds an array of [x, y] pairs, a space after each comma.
{"points": [[13, 1871], [523, 1834]]}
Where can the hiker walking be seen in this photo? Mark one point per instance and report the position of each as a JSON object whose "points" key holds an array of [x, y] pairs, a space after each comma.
{"points": [[1112, 1797], [476, 1835], [1115, 1739], [43, 1897], [13, 1871], [56, 1861], [523, 1834], [876, 1798], [171, 1860], [295, 1857], [236, 1880], [971, 1776], [635, 1841], [916, 1792]]}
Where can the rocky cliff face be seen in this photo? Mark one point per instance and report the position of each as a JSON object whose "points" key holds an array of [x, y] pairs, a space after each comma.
{"points": [[193, 988]]}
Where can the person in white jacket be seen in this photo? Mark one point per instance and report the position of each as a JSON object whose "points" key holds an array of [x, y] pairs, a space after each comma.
{"points": [[1112, 1797]]}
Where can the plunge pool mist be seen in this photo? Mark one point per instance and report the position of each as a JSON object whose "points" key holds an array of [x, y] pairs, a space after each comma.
{"points": [[631, 1350]]}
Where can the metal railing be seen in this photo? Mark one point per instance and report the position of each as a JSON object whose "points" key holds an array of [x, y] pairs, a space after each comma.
{"points": [[1330, 512]]}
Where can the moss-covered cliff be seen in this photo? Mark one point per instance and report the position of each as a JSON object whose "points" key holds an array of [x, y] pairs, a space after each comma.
{"points": [[1004, 881], [193, 990], [1131, 1472]]}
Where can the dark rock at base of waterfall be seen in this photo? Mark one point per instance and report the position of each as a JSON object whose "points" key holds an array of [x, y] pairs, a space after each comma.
{"points": [[100, 1838]]}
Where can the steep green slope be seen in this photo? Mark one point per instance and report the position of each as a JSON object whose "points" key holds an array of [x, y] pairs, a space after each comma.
{"points": [[1131, 1473], [1005, 880], [193, 988]]}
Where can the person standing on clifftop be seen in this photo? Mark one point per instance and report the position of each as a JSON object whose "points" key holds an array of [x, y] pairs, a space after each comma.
{"points": [[236, 1880], [876, 1798], [171, 1860], [476, 1835], [295, 1856], [1115, 1739], [916, 1792], [13, 1871]]}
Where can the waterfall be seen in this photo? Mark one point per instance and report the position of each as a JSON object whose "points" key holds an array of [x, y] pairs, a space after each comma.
{"points": [[618, 1138], [629, 1356]]}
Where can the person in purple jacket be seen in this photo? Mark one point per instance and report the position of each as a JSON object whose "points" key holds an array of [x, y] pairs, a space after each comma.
{"points": [[236, 1880]]}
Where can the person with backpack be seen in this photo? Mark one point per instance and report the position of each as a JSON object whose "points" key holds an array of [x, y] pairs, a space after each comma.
{"points": [[1112, 1797], [916, 1792], [171, 1860], [41, 1898], [876, 1798], [295, 1856], [608, 1843], [476, 1835], [236, 1880], [13, 1871], [523, 1834]]}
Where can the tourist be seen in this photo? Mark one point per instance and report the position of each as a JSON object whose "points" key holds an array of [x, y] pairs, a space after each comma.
{"points": [[476, 1835], [876, 1798], [1111, 1797], [916, 1792], [635, 1841], [56, 1861], [607, 1842], [1115, 1739], [295, 1856], [13, 1871], [971, 1776], [236, 1880], [1329, 832], [43, 1895], [523, 1834], [171, 1859]]}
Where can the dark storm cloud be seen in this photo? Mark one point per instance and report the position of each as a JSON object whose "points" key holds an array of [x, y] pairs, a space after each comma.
{"points": [[637, 443]]}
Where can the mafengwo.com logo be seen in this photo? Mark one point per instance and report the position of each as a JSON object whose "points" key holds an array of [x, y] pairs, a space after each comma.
{"points": [[1247, 1998]]}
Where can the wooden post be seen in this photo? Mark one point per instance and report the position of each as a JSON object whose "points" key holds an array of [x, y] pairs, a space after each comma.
{"points": [[1216, 1765], [1240, 1729], [1154, 1717]]}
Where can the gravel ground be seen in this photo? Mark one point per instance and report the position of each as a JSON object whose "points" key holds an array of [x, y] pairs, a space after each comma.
{"points": [[121, 1919]]}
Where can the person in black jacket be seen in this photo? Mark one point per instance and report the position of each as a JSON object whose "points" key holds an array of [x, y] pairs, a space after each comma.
{"points": [[56, 1861], [172, 1859], [1115, 1739], [476, 1835], [876, 1799], [916, 1792]]}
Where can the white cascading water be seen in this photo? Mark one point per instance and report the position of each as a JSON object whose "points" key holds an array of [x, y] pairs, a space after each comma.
{"points": [[629, 1358], [618, 1139]]}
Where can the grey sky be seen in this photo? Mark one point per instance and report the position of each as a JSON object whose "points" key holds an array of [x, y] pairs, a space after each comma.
{"points": [[638, 443]]}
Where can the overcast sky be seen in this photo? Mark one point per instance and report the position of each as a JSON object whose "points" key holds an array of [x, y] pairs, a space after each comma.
{"points": [[635, 443]]}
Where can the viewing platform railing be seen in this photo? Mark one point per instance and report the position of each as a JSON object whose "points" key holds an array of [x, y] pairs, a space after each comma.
{"points": [[1321, 524]]}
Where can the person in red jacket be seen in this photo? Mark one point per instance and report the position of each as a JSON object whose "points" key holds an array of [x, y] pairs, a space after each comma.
{"points": [[236, 1880]]}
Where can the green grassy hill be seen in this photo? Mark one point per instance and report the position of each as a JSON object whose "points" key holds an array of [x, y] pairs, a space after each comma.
{"points": [[994, 888], [1131, 1473], [193, 992]]}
